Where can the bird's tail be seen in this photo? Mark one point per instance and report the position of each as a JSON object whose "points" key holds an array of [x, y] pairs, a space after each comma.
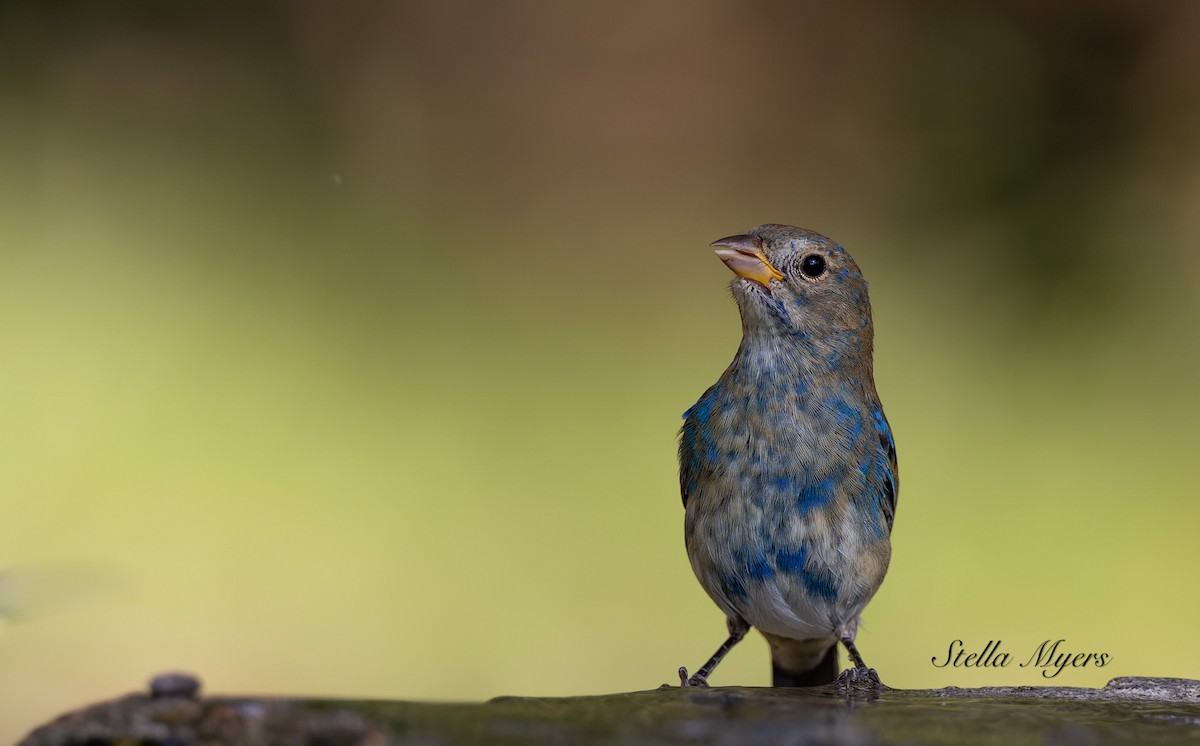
{"points": [[802, 662]]}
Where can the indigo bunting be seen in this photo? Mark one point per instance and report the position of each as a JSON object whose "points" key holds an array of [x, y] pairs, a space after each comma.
{"points": [[787, 463]]}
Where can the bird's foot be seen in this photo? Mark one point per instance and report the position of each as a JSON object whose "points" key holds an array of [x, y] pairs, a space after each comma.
{"points": [[865, 680], [696, 680]]}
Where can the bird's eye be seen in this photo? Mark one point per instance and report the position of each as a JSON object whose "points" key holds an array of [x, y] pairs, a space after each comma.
{"points": [[813, 265]]}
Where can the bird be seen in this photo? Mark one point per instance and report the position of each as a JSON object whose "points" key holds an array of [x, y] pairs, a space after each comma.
{"points": [[788, 466]]}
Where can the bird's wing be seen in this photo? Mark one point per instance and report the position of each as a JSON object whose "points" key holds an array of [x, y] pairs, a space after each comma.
{"points": [[891, 479], [689, 460], [691, 447]]}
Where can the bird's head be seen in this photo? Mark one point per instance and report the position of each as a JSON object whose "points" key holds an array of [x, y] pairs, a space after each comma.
{"points": [[800, 284]]}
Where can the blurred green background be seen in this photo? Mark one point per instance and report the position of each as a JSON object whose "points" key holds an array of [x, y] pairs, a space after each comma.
{"points": [[343, 346]]}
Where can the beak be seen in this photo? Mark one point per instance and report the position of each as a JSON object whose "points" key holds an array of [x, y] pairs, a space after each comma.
{"points": [[744, 256]]}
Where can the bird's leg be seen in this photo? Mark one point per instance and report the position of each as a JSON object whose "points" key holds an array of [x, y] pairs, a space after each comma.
{"points": [[860, 676], [853, 651], [700, 678], [737, 630]]}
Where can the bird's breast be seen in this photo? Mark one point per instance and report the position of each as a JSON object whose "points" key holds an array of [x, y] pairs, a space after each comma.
{"points": [[777, 524]]}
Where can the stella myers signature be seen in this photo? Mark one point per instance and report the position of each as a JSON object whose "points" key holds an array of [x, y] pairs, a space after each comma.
{"points": [[1046, 657]]}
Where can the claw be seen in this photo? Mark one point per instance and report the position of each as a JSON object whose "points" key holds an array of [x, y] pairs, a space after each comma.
{"points": [[860, 679], [695, 680]]}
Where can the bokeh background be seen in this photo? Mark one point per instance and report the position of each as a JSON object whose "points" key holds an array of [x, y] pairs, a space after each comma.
{"points": [[343, 346]]}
